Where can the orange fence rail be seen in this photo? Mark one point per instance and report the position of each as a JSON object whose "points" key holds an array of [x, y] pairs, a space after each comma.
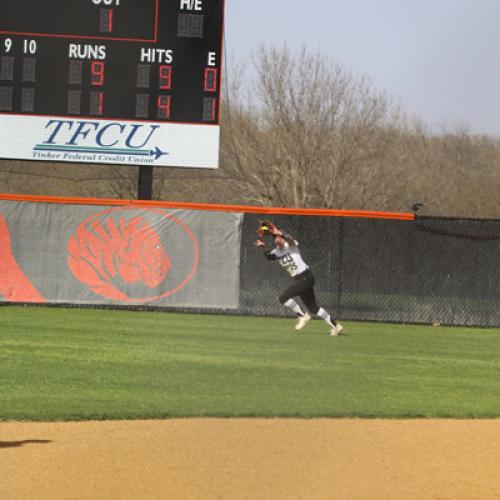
{"points": [[367, 214]]}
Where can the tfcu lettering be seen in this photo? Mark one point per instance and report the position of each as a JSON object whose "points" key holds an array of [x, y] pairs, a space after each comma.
{"points": [[73, 133]]}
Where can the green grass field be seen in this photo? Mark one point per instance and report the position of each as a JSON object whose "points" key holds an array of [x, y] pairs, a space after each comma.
{"points": [[73, 364]]}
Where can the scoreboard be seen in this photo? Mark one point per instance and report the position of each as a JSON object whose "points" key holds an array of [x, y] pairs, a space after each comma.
{"points": [[133, 82]]}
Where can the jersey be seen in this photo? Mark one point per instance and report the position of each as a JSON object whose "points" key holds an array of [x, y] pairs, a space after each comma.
{"points": [[290, 259]]}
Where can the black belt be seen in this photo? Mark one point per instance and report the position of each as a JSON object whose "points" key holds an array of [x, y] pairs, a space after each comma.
{"points": [[302, 275]]}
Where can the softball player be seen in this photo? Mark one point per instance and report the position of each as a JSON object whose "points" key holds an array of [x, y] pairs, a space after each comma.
{"points": [[286, 251]]}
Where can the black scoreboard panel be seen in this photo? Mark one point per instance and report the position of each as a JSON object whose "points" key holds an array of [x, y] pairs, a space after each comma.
{"points": [[153, 60], [85, 18]]}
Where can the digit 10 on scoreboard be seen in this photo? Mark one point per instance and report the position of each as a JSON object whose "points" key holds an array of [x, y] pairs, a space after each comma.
{"points": [[111, 81]]}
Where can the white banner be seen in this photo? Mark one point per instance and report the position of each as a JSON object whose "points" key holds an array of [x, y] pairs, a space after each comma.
{"points": [[92, 140]]}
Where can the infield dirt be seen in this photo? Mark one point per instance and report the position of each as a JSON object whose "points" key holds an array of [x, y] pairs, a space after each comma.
{"points": [[251, 459]]}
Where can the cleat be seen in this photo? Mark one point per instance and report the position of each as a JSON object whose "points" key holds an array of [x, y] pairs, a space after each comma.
{"points": [[302, 321], [336, 330]]}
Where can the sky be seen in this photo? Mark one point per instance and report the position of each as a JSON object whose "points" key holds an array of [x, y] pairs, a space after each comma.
{"points": [[437, 59]]}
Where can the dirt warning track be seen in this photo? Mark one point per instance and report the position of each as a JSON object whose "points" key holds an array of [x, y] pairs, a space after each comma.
{"points": [[251, 459]]}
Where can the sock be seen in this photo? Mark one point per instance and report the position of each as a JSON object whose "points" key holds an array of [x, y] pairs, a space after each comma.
{"points": [[326, 317], [294, 307]]}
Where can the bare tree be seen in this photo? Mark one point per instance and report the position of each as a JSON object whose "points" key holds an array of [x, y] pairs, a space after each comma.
{"points": [[314, 129], [67, 179], [453, 172]]}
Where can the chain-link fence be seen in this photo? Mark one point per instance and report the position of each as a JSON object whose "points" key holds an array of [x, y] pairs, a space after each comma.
{"points": [[431, 270], [370, 267]]}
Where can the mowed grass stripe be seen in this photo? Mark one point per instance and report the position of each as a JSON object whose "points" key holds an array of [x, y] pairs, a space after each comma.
{"points": [[73, 364]]}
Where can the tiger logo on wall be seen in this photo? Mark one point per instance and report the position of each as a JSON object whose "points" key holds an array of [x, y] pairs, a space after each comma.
{"points": [[133, 255]]}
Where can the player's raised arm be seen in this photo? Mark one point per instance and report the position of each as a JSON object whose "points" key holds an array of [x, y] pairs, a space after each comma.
{"points": [[281, 237], [266, 228]]}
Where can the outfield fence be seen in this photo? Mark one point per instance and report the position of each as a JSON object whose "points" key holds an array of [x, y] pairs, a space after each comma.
{"points": [[426, 270], [373, 266]]}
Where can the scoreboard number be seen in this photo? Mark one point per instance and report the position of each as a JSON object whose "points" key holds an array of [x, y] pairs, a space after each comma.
{"points": [[106, 22], [97, 73], [103, 74]]}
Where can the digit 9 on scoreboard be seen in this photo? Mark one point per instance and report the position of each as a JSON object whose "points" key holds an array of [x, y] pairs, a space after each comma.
{"points": [[165, 77], [165, 84], [96, 72], [160, 91], [96, 80]]}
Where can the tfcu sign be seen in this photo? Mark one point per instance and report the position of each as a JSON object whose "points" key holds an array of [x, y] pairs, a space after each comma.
{"points": [[81, 140]]}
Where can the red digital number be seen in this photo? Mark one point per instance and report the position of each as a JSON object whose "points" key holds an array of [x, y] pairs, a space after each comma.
{"points": [[163, 107], [97, 73], [96, 103], [210, 109], [214, 108], [210, 79], [101, 102], [106, 20], [165, 77]]}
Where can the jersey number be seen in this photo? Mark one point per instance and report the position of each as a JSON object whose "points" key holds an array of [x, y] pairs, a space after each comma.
{"points": [[287, 262]]}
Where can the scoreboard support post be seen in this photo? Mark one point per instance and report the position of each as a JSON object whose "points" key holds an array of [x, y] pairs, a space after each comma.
{"points": [[145, 187]]}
